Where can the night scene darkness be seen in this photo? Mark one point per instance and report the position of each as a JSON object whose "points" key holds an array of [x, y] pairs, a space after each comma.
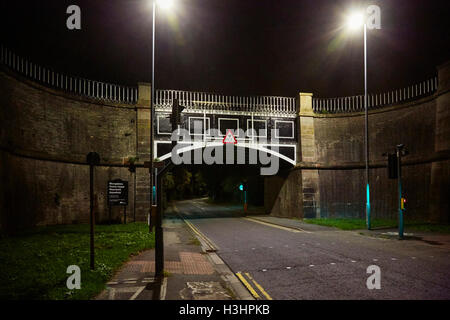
{"points": [[251, 47], [259, 150]]}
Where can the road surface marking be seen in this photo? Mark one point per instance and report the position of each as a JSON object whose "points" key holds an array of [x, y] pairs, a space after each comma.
{"points": [[393, 259], [162, 295], [289, 268], [212, 246], [248, 286], [353, 261], [375, 260], [259, 287], [138, 292], [333, 263], [129, 282], [275, 225], [311, 265], [111, 294]]}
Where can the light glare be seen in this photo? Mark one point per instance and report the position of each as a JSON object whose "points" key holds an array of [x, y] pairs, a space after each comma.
{"points": [[165, 4], [355, 21]]}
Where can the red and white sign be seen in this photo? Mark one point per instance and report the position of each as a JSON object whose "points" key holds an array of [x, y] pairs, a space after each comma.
{"points": [[229, 138]]}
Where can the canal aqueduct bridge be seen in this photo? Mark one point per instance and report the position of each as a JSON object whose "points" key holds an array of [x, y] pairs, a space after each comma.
{"points": [[50, 121]]}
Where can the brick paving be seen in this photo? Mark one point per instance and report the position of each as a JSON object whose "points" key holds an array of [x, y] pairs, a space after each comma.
{"points": [[190, 263], [191, 274]]}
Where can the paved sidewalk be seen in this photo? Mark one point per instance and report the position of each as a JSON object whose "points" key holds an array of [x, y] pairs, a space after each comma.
{"points": [[192, 273]]}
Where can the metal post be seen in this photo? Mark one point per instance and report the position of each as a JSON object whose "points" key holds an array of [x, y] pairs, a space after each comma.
{"points": [[92, 220], [152, 113], [159, 244], [92, 159], [368, 222], [245, 202], [400, 196], [134, 196]]}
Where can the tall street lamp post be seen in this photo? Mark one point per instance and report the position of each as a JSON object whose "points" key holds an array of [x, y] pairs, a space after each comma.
{"points": [[355, 21], [159, 247]]}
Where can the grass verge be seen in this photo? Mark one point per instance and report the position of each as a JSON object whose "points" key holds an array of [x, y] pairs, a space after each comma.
{"points": [[33, 265], [356, 224]]}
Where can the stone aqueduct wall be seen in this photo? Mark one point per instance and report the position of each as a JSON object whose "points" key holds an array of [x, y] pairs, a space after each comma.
{"points": [[330, 180], [46, 134]]}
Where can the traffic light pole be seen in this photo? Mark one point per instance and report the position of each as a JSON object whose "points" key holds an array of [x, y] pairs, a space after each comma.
{"points": [[159, 238], [245, 202], [400, 195], [159, 235]]}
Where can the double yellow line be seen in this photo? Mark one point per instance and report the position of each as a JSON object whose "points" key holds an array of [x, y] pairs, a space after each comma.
{"points": [[250, 288]]}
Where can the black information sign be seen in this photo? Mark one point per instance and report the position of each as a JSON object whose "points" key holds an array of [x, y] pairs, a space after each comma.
{"points": [[118, 192]]}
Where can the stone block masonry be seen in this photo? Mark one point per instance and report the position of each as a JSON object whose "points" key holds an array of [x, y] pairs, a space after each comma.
{"points": [[45, 136], [329, 178]]}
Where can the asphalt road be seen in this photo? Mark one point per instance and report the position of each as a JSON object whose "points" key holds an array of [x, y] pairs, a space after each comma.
{"points": [[320, 263]]}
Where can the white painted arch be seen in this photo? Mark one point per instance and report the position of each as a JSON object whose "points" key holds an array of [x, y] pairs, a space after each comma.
{"points": [[255, 146]]}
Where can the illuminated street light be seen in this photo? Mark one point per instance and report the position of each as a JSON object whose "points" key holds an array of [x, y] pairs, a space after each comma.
{"points": [[165, 4], [354, 22]]}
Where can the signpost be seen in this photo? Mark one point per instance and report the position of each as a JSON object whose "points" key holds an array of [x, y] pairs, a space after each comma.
{"points": [[92, 159], [118, 195]]}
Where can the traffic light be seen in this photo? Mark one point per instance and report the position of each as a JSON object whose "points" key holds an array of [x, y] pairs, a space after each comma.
{"points": [[175, 117], [403, 203], [243, 186], [392, 166]]}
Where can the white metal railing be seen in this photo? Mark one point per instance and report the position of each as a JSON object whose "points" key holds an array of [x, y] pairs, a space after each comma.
{"points": [[74, 85], [208, 101], [374, 101], [129, 95]]}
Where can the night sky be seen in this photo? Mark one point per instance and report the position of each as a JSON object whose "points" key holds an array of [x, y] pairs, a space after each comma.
{"points": [[243, 47]]}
